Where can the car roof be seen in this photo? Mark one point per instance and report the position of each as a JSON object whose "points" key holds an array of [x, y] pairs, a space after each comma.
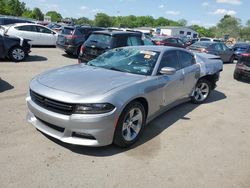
{"points": [[116, 32], [156, 48], [23, 24]]}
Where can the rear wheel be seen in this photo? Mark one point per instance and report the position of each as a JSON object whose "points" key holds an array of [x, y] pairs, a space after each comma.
{"points": [[232, 59], [130, 125], [16, 54], [237, 76], [201, 91]]}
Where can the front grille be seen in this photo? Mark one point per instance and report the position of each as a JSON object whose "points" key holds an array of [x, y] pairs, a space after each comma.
{"points": [[59, 129], [51, 104]]}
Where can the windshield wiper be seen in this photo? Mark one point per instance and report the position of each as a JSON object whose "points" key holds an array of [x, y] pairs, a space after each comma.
{"points": [[115, 69]]}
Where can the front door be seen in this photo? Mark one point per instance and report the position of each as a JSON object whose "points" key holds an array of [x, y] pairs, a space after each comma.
{"points": [[172, 84]]}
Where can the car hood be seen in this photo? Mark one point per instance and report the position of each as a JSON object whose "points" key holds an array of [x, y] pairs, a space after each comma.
{"points": [[86, 80]]}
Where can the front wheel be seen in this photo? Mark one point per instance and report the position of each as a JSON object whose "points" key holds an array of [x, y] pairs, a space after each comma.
{"points": [[16, 54], [130, 125], [201, 91]]}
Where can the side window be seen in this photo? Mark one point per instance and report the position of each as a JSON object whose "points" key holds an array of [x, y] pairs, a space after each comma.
{"points": [[189, 33], [30, 28], [186, 59], [218, 47], [43, 30], [134, 41], [224, 47], [170, 59], [182, 32], [120, 41], [171, 40]]}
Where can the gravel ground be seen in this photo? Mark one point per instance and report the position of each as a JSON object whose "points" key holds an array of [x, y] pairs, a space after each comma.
{"points": [[189, 146]]}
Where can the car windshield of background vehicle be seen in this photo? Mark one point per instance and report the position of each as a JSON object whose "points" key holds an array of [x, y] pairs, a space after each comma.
{"points": [[100, 40], [129, 60]]}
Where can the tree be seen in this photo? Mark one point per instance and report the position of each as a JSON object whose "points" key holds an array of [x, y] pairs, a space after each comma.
{"points": [[55, 16], [203, 32], [228, 25], [83, 21], [37, 14], [14, 7], [103, 20], [182, 22], [2, 6]]}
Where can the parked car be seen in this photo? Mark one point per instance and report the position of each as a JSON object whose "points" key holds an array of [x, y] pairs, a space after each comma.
{"points": [[240, 48], [209, 39], [57, 27], [242, 68], [72, 37], [14, 48], [38, 34], [215, 48], [5, 20], [169, 41], [111, 98], [102, 41]]}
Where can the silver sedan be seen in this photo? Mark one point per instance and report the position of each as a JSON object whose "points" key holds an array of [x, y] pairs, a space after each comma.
{"points": [[111, 98]]}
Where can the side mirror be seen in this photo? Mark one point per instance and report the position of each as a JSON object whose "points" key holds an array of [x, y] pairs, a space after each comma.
{"points": [[168, 71]]}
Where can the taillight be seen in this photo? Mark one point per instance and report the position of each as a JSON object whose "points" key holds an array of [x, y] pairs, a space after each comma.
{"points": [[82, 49], [71, 36], [204, 50], [245, 55]]}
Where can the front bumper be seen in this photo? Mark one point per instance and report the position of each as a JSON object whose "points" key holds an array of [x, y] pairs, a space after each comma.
{"points": [[78, 129]]}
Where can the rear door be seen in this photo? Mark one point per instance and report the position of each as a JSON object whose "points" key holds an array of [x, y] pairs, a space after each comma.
{"points": [[47, 36], [191, 72], [28, 32], [172, 84]]}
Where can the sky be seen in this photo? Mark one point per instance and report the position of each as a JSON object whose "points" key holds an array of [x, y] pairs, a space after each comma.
{"points": [[202, 12]]}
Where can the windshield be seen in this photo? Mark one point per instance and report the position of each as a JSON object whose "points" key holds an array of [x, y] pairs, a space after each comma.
{"points": [[129, 60], [99, 39]]}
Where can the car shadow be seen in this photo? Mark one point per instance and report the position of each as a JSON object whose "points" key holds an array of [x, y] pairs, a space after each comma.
{"points": [[30, 58], [244, 80], [35, 58], [5, 86], [69, 56], [152, 130]]}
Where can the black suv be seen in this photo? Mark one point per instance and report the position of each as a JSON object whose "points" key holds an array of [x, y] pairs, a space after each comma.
{"points": [[102, 41], [10, 20], [72, 37], [16, 49]]}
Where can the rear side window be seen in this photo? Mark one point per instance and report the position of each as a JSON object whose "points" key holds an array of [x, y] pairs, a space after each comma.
{"points": [[67, 31], [30, 28], [171, 40], [186, 59], [170, 59], [134, 41], [100, 39]]}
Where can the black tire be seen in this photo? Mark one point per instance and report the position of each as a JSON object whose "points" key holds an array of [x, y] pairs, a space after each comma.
{"points": [[119, 137], [237, 76], [199, 96], [232, 59], [17, 54], [69, 53]]}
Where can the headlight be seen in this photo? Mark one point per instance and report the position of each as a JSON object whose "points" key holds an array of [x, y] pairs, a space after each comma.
{"points": [[94, 108]]}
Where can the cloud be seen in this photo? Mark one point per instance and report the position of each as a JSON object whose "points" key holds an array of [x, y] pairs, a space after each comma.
{"points": [[161, 6], [83, 8], [172, 12], [232, 2], [205, 4], [224, 12]]}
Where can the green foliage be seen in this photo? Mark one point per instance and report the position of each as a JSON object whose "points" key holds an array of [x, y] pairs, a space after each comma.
{"points": [[103, 20], [203, 32], [83, 21], [55, 16], [182, 22]]}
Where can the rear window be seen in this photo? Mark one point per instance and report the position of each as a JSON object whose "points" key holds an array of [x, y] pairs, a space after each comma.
{"points": [[100, 39], [67, 31], [205, 39], [202, 44]]}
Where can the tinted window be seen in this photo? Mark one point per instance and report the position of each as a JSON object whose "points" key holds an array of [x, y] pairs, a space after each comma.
{"points": [[30, 28], [134, 41], [170, 59], [182, 32], [67, 31], [186, 59], [171, 40], [224, 47], [188, 33], [120, 41], [43, 30], [217, 47], [101, 40]]}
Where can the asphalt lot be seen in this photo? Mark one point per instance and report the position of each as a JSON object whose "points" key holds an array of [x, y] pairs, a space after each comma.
{"points": [[189, 146]]}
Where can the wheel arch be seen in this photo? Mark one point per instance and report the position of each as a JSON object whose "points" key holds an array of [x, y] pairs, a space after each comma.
{"points": [[211, 78]]}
